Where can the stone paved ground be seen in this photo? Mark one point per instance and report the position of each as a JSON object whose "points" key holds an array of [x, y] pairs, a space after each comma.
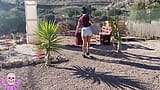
{"points": [[137, 67]]}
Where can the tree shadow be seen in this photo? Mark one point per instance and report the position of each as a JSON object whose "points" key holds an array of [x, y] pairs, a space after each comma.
{"points": [[133, 46], [119, 82], [138, 65], [129, 63], [124, 47], [141, 57], [108, 51], [108, 47]]}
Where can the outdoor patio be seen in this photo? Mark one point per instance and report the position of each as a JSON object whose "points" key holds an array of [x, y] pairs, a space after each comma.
{"points": [[104, 70], [124, 54]]}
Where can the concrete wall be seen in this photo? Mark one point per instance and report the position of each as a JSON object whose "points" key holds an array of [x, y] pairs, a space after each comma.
{"points": [[31, 21]]}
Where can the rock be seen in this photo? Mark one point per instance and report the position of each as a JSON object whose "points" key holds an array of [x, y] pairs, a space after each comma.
{"points": [[19, 63], [8, 64], [16, 63], [31, 62], [62, 58], [3, 65], [26, 62], [39, 61]]}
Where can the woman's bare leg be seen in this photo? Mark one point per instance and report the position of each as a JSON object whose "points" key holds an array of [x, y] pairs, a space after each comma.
{"points": [[84, 46], [88, 43]]}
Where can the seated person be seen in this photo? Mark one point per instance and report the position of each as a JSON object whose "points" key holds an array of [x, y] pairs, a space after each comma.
{"points": [[105, 34], [107, 29]]}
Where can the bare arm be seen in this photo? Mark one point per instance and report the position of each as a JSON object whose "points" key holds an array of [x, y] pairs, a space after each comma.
{"points": [[77, 27], [91, 21]]}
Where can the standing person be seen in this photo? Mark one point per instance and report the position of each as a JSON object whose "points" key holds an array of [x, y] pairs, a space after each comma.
{"points": [[86, 33]]}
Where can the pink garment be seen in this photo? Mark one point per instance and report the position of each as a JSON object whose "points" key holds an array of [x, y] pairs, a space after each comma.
{"points": [[9, 87]]}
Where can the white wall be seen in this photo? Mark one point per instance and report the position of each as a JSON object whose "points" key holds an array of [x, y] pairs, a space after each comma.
{"points": [[31, 21]]}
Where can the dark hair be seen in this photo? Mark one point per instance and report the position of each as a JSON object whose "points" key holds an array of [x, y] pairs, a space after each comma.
{"points": [[84, 8], [84, 11]]}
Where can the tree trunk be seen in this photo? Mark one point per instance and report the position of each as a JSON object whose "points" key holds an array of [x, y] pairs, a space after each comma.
{"points": [[118, 42], [48, 61], [119, 46]]}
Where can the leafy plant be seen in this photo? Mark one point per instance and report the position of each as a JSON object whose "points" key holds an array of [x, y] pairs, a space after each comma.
{"points": [[145, 12], [71, 12], [49, 40], [114, 20], [98, 13], [155, 5], [139, 5], [114, 12], [49, 17]]}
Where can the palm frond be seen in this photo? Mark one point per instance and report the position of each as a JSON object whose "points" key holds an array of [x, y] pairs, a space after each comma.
{"points": [[49, 40]]}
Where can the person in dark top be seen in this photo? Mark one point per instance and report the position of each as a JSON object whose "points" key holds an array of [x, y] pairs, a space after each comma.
{"points": [[86, 33]]}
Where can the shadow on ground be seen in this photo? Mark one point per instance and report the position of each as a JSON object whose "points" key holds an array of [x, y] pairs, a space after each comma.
{"points": [[141, 57], [124, 47], [108, 47], [109, 51], [128, 63], [119, 82]]}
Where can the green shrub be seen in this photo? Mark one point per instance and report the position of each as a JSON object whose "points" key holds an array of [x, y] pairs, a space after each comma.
{"points": [[98, 13], [72, 12], [139, 5], [49, 40], [71, 23], [145, 12], [155, 5], [114, 12]]}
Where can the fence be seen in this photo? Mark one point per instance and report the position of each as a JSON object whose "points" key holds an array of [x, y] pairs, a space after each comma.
{"points": [[144, 23], [145, 30]]}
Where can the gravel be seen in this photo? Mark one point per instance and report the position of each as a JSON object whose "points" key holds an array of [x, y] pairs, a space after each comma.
{"points": [[137, 67]]}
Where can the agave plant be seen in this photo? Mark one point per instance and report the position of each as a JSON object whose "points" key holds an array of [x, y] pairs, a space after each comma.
{"points": [[49, 41], [115, 29]]}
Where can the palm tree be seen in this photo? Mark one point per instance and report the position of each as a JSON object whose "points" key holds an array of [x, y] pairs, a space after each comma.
{"points": [[114, 20], [49, 40]]}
